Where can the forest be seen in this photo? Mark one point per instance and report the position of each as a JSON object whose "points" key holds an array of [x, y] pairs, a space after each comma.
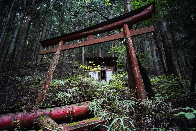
{"points": [[149, 89]]}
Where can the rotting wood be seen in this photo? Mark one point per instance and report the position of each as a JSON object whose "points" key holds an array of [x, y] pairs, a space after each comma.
{"points": [[45, 123], [82, 125]]}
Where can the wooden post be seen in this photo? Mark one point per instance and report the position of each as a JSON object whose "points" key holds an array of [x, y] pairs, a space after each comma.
{"points": [[136, 70], [47, 80]]}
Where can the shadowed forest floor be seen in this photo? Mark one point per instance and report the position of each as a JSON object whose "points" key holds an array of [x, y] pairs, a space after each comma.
{"points": [[109, 101]]}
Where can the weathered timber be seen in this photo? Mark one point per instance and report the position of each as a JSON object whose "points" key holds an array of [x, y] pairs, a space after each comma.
{"points": [[60, 114], [136, 70], [46, 123], [82, 125], [91, 41], [42, 92]]}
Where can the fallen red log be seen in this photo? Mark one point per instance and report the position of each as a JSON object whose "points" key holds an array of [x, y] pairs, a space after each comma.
{"points": [[61, 114]]}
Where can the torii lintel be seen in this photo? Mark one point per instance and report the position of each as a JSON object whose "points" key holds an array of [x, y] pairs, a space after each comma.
{"points": [[129, 18]]}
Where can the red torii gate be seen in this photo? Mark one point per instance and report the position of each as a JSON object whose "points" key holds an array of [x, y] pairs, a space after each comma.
{"points": [[122, 21]]}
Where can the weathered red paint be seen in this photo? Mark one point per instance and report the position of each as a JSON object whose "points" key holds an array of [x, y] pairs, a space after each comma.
{"points": [[42, 92], [62, 114], [91, 41], [144, 15], [136, 70]]}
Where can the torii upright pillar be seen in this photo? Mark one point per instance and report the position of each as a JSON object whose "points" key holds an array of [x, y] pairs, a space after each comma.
{"points": [[136, 70]]}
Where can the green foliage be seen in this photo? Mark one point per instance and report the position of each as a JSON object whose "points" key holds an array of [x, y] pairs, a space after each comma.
{"points": [[121, 29], [160, 5], [63, 16], [188, 115], [136, 4], [89, 68], [108, 3], [30, 81], [57, 82], [169, 87], [120, 51], [96, 106], [144, 58], [119, 80], [120, 125], [63, 96], [139, 3], [75, 123]]}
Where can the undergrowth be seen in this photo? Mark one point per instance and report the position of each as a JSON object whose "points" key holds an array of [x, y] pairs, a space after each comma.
{"points": [[113, 103], [161, 113], [173, 108]]}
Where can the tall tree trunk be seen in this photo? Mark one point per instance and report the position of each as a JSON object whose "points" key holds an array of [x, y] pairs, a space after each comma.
{"points": [[20, 53], [171, 62], [193, 78], [159, 44], [3, 56], [6, 22], [66, 65], [154, 56], [7, 31], [42, 38], [12, 45], [83, 49], [184, 65], [1, 4], [36, 43], [83, 55], [127, 6], [168, 49], [179, 60]]}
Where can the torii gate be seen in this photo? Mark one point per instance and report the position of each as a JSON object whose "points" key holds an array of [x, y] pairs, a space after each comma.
{"points": [[122, 21], [133, 17]]}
